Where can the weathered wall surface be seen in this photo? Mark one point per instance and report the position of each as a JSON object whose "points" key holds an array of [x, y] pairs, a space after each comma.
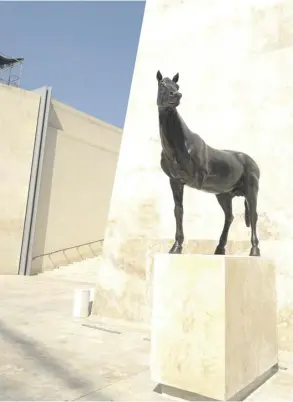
{"points": [[18, 122], [235, 61], [79, 166]]}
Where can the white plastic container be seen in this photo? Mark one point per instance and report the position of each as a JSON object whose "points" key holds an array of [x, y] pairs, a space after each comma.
{"points": [[92, 294], [81, 303]]}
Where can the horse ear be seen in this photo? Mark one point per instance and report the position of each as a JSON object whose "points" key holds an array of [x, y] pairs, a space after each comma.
{"points": [[175, 78], [159, 76]]}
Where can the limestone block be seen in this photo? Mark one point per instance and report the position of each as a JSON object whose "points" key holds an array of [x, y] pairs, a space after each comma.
{"points": [[214, 325]]}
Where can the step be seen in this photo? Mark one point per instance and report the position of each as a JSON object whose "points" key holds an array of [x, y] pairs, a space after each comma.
{"points": [[79, 271]]}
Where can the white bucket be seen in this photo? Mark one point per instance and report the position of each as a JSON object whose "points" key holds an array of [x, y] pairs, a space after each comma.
{"points": [[81, 303], [92, 294]]}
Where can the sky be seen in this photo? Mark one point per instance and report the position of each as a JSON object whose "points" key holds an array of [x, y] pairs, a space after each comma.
{"points": [[85, 50]]}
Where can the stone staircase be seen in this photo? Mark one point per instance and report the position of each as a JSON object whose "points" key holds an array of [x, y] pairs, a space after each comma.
{"points": [[80, 271]]}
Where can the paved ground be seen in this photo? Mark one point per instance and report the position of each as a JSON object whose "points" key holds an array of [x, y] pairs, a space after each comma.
{"points": [[45, 354]]}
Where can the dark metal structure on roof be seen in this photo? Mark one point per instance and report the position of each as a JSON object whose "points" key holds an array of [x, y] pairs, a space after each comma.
{"points": [[10, 70]]}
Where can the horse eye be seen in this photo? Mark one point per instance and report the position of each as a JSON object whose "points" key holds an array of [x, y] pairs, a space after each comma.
{"points": [[171, 93]]}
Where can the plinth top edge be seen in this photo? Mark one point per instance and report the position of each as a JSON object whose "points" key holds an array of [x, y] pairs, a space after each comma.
{"points": [[208, 256]]}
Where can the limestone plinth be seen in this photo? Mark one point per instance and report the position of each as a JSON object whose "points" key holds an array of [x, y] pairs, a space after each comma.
{"points": [[214, 326]]}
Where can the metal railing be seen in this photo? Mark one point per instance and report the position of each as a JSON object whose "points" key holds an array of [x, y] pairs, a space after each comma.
{"points": [[63, 251]]}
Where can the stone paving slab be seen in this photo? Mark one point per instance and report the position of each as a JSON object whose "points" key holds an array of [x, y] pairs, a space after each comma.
{"points": [[45, 354]]}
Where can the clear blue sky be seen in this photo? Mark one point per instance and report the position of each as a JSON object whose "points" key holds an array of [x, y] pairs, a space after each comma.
{"points": [[85, 50]]}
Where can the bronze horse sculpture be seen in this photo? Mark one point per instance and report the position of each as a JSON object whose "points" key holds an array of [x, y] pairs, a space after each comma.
{"points": [[187, 160]]}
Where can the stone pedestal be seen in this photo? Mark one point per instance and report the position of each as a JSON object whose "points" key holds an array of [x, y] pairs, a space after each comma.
{"points": [[214, 327]]}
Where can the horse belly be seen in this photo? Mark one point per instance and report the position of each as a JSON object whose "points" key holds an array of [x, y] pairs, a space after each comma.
{"points": [[217, 187], [218, 183]]}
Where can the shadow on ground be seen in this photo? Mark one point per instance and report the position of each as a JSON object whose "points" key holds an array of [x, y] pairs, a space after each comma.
{"points": [[43, 364]]}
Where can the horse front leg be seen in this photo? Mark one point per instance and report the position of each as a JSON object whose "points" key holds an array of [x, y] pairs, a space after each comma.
{"points": [[177, 190]]}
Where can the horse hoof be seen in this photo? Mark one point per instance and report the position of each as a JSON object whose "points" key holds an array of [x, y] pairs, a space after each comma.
{"points": [[220, 251], [254, 252], [176, 250]]}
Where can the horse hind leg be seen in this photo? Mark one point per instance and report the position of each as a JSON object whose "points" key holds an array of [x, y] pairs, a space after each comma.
{"points": [[225, 201], [251, 193]]}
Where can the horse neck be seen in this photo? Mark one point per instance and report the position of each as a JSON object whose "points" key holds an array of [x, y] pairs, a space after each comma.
{"points": [[172, 131]]}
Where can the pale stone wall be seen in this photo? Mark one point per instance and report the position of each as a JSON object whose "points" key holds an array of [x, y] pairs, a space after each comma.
{"points": [[18, 122], [235, 60], [80, 160]]}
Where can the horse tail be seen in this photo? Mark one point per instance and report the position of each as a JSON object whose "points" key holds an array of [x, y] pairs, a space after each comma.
{"points": [[247, 219]]}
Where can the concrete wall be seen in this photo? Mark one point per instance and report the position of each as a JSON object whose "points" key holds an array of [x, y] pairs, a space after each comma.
{"points": [[18, 121], [235, 60], [79, 166]]}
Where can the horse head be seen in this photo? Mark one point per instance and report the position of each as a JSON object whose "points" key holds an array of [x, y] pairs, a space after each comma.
{"points": [[168, 95]]}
